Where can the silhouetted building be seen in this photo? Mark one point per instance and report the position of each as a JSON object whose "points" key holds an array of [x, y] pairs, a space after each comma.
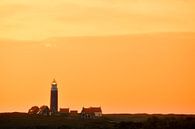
{"points": [[64, 110], [54, 97], [73, 113], [92, 112]]}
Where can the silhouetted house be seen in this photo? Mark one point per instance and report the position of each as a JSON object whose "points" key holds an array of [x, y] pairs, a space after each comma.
{"points": [[64, 111], [73, 113], [92, 112], [44, 110], [33, 110]]}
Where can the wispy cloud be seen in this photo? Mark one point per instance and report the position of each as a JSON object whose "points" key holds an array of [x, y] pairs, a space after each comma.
{"points": [[38, 20]]}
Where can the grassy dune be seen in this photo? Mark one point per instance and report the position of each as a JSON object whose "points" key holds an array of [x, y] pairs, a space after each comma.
{"points": [[108, 121]]}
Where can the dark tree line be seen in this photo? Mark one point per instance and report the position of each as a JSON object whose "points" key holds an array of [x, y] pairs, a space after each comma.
{"points": [[160, 123]]}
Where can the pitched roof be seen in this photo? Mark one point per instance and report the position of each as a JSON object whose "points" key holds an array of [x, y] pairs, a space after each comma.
{"points": [[91, 110], [96, 109], [64, 110]]}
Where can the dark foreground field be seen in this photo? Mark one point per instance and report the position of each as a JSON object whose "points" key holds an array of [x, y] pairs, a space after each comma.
{"points": [[109, 121]]}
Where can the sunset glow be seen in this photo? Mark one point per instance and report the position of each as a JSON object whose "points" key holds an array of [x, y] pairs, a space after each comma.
{"points": [[127, 56]]}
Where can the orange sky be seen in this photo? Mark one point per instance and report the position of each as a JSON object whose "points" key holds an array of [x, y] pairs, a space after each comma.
{"points": [[126, 56]]}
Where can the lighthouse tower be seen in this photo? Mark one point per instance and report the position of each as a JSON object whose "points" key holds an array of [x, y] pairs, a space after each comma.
{"points": [[54, 97]]}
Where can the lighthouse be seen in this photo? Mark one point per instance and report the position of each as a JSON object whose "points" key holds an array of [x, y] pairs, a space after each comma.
{"points": [[54, 97]]}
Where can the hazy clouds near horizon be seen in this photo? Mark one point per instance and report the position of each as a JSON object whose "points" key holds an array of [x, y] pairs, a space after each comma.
{"points": [[38, 20]]}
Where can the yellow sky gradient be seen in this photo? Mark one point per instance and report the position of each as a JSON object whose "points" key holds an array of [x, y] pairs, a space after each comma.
{"points": [[125, 56], [41, 19]]}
